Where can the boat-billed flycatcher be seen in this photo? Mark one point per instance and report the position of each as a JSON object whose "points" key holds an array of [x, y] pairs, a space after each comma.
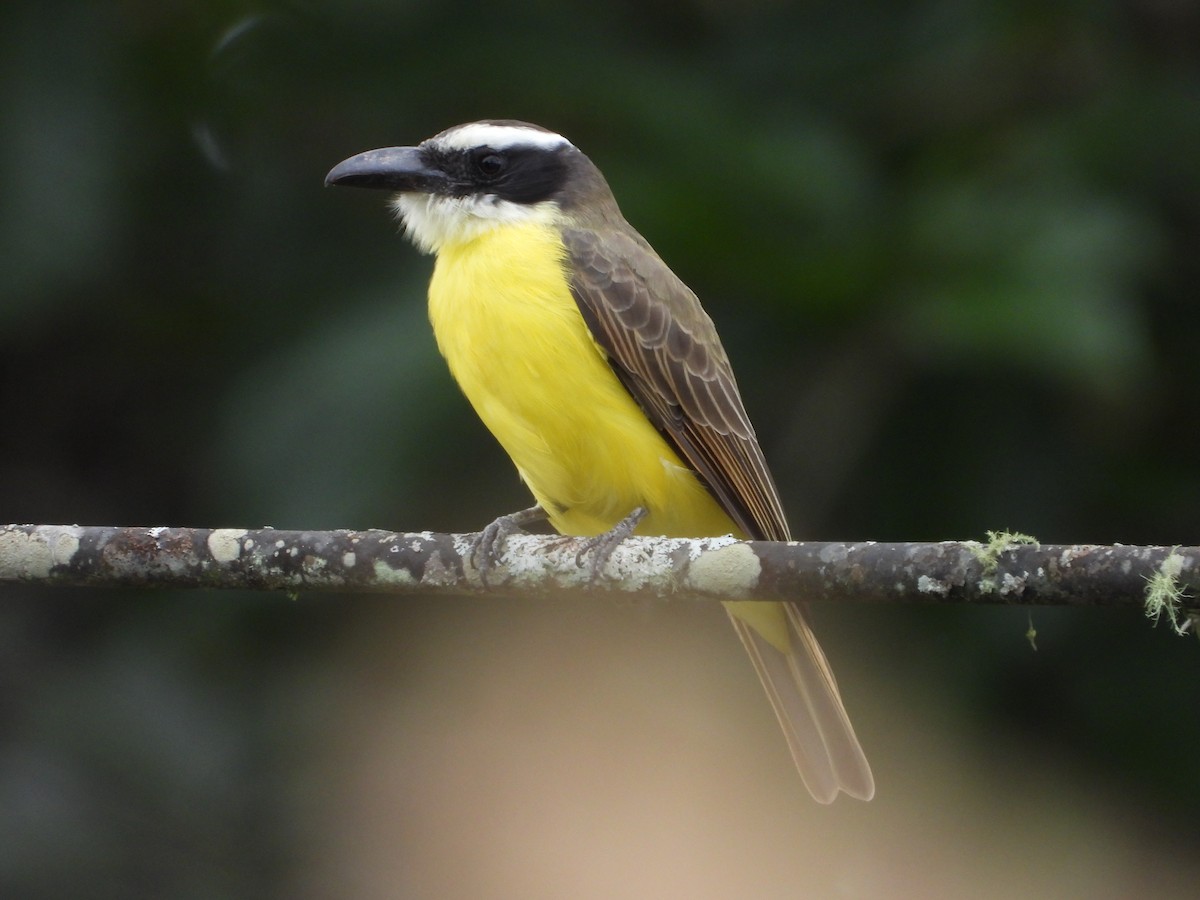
{"points": [[603, 378]]}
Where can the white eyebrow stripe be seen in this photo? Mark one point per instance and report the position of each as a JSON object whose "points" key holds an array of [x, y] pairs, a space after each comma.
{"points": [[499, 137]]}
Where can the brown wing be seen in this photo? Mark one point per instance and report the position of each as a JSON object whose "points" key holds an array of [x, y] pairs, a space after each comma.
{"points": [[665, 350]]}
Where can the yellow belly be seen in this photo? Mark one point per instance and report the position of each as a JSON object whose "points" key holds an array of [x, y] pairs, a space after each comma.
{"points": [[518, 347]]}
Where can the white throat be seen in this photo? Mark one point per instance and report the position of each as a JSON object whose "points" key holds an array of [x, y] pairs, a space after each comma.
{"points": [[433, 222]]}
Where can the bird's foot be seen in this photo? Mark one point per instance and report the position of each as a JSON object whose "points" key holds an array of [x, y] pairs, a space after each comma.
{"points": [[602, 546], [486, 548]]}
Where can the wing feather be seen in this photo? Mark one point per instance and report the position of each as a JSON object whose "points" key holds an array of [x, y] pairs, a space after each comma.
{"points": [[665, 350]]}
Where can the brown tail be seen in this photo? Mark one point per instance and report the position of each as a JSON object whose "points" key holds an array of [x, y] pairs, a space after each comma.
{"points": [[805, 698]]}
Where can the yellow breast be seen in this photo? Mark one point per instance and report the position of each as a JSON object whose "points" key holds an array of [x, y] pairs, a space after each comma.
{"points": [[520, 350]]}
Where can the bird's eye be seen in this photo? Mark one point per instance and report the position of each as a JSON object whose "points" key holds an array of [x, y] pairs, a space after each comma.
{"points": [[489, 163]]}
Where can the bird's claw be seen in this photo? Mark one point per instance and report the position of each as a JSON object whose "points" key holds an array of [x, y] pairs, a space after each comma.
{"points": [[488, 544], [602, 546]]}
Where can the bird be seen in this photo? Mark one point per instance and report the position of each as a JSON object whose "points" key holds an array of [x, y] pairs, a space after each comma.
{"points": [[600, 374]]}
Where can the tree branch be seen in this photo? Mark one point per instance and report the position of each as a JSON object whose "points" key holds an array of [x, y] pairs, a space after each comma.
{"points": [[1003, 571]]}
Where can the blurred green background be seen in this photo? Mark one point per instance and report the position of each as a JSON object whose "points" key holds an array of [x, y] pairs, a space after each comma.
{"points": [[952, 249]]}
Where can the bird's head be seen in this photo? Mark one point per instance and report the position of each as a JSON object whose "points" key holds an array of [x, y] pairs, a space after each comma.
{"points": [[471, 178]]}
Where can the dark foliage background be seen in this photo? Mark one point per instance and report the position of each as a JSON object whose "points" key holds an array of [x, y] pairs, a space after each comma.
{"points": [[952, 248]]}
